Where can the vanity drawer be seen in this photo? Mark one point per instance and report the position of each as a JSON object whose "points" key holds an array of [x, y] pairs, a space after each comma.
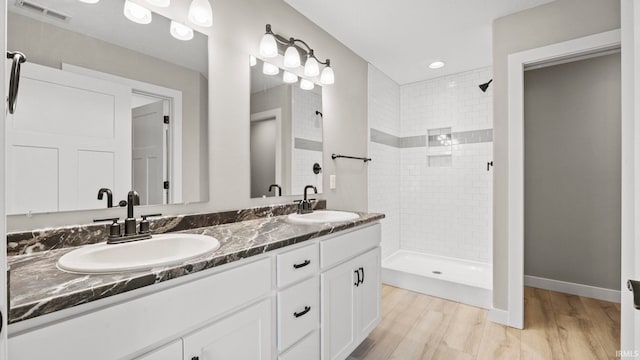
{"points": [[297, 264], [307, 349], [298, 312], [343, 247]]}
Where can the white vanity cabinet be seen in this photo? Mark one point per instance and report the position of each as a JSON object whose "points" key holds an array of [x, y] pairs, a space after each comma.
{"points": [[314, 301]]}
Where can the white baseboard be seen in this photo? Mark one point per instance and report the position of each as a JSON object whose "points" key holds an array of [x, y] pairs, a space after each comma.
{"points": [[572, 288], [498, 316]]}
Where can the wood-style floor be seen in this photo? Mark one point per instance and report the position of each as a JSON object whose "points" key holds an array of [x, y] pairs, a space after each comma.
{"points": [[557, 326]]}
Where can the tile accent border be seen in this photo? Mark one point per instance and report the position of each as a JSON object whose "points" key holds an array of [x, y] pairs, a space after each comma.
{"points": [[456, 138], [305, 144]]}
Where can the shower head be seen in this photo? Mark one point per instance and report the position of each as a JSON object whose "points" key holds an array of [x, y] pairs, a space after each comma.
{"points": [[485, 86]]}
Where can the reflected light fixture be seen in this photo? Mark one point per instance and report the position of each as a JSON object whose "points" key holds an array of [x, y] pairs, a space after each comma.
{"points": [[436, 65], [269, 49], [137, 13], [269, 69], [181, 31], [200, 13], [289, 78], [90, 1], [252, 60], [159, 3], [306, 84]]}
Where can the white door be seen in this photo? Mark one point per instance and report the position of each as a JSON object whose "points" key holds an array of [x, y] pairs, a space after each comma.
{"points": [[245, 335], [71, 137], [368, 294], [149, 153], [4, 81], [338, 294]]}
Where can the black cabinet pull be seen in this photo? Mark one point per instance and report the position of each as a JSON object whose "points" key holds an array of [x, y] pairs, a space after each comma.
{"points": [[362, 280], [358, 279], [303, 312], [301, 265]]}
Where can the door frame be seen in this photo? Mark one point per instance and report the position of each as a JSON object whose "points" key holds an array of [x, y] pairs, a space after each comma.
{"points": [[3, 218], [517, 63]]}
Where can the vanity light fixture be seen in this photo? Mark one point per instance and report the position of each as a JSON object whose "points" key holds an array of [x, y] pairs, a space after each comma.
{"points": [[252, 60], [269, 69], [159, 3], [436, 65], [200, 13], [306, 84], [269, 49], [289, 78], [137, 13], [181, 31]]}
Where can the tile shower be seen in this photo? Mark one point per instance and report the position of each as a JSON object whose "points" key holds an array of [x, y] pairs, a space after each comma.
{"points": [[431, 143]]}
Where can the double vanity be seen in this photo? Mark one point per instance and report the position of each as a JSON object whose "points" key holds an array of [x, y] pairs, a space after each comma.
{"points": [[271, 285]]}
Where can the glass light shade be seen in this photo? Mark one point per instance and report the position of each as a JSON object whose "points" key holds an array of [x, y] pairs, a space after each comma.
{"points": [[268, 46], [200, 13], [137, 13], [327, 77], [160, 3], [291, 57], [252, 60], [306, 84], [181, 31], [270, 69], [90, 1], [311, 67], [289, 78]]}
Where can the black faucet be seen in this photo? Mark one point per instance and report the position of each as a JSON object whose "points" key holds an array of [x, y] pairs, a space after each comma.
{"points": [[107, 191], [133, 199], [276, 186], [304, 205]]}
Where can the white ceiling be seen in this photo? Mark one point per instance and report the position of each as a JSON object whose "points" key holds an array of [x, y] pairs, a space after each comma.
{"points": [[402, 37]]}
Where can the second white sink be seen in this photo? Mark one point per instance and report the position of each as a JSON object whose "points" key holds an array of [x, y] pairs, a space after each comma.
{"points": [[160, 250], [322, 217]]}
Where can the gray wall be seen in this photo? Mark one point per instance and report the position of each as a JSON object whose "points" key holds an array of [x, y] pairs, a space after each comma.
{"points": [[50, 45], [558, 21], [572, 172], [263, 157], [237, 28]]}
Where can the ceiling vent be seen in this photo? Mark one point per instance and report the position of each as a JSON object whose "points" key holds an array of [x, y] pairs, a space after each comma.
{"points": [[42, 10]]}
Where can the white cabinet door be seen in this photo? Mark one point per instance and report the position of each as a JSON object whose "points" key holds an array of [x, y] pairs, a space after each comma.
{"points": [[338, 313], [368, 294], [172, 351], [245, 335]]}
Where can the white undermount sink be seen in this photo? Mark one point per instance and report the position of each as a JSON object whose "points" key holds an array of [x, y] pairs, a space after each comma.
{"points": [[322, 217], [160, 250]]}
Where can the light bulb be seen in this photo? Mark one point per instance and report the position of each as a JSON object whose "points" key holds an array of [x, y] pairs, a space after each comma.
{"points": [[291, 58], [327, 77], [270, 69], [159, 3], [311, 67], [306, 84], [252, 60], [90, 1], [289, 78], [181, 31], [200, 13], [137, 13], [268, 46]]}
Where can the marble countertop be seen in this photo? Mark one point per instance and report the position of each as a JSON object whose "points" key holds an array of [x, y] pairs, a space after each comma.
{"points": [[38, 287]]}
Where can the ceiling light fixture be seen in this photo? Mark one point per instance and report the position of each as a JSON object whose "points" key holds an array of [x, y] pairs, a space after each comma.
{"points": [[181, 31], [436, 65], [159, 3], [269, 49], [90, 1], [289, 78], [200, 13], [137, 13]]}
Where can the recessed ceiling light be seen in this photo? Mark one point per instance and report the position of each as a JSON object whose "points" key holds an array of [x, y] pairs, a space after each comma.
{"points": [[436, 65]]}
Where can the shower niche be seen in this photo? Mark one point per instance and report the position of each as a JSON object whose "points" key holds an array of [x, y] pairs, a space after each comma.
{"points": [[439, 147]]}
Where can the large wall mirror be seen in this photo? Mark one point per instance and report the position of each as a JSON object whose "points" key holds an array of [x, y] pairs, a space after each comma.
{"points": [[285, 132], [106, 105]]}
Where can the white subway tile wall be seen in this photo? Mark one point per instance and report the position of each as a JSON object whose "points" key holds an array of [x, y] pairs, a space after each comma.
{"points": [[307, 126], [384, 170], [443, 210]]}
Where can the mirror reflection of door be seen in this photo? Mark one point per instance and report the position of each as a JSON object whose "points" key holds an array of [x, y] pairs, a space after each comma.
{"points": [[149, 148], [264, 153]]}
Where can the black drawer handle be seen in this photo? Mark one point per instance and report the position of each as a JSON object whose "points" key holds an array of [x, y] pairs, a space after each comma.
{"points": [[357, 283], [303, 312], [305, 263]]}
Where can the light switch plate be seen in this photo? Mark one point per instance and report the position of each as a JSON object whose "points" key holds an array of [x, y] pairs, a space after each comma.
{"points": [[332, 182]]}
